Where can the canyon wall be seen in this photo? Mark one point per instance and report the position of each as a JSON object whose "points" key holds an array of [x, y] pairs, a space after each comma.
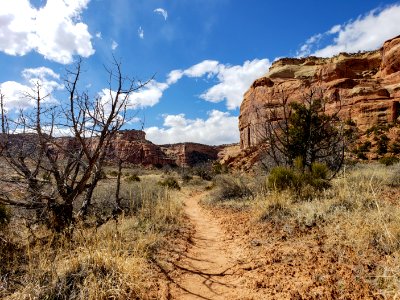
{"points": [[365, 85]]}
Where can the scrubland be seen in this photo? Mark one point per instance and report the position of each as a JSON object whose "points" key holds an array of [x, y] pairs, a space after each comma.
{"points": [[337, 240], [351, 229], [100, 258]]}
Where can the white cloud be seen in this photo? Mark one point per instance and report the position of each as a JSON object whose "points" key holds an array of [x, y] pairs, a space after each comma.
{"points": [[367, 32], [54, 30], [98, 35], [218, 128], [141, 32], [174, 76], [234, 81], [210, 67], [147, 96], [162, 11], [114, 45], [15, 92]]}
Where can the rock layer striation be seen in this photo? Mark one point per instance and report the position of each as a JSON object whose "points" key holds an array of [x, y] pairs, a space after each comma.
{"points": [[366, 85]]}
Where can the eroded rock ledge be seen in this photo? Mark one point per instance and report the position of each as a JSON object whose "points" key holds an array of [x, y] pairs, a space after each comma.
{"points": [[366, 84]]}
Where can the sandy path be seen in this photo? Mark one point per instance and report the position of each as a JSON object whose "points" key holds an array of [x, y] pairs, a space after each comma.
{"points": [[206, 270]]}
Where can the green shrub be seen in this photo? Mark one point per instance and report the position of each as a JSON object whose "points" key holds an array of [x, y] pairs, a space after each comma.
{"points": [[389, 160], [219, 168], [282, 178], [319, 171], [301, 182], [229, 187], [170, 183], [4, 215], [382, 144], [395, 147], [186, 178], [204, 172], [132, 178], [361, 155], [113, 173]]}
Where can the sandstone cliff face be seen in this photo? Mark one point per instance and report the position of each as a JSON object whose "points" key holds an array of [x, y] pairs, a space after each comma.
{"points": [[366, 85], [190, 154], [132, 147]]}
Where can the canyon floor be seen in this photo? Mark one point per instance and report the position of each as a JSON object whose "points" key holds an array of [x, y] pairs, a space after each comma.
{"points": [[224, 254]]}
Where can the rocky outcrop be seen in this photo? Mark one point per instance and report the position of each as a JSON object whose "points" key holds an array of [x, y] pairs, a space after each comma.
{"points": [[366, 86], [130, 146], [191, 154]]}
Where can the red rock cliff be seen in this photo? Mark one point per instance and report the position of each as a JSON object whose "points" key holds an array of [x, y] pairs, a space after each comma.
{"points": [[366, 84]]}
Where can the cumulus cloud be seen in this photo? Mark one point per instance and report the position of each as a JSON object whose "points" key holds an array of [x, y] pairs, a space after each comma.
{"points": [[162, 11], [98, 35], [54, 30], [148, 96], [367, 32], [16, 93], [114, 45], [174, 76], [141, 32], [209, 67], [218, 128], [233, 81]]}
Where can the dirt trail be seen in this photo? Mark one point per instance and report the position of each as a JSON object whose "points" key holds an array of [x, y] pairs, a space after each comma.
{"points": [[206, 270]]}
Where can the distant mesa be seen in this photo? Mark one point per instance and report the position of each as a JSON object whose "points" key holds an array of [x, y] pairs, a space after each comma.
{"points": [[131, 147]]}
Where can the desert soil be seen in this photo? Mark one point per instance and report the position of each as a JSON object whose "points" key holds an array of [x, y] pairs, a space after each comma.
{"points": [[227, 255], [206, 271]]}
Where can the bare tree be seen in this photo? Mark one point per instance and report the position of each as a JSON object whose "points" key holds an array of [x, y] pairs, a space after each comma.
{"points": [[304, 130], [53, 172]]}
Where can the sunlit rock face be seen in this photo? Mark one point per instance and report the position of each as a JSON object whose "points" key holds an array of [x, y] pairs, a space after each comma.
{"points": [[366, 85]]}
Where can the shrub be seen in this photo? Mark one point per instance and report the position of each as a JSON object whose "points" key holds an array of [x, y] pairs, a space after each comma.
{"points": [[319, 171], [382, 144], [282, 178], [389, 160], [170, 183], [4, 215], [395, 147], [186, 178], [113, 173], [219, 168], [229, 187], [204, 171], [132, 178], [303, 183]]}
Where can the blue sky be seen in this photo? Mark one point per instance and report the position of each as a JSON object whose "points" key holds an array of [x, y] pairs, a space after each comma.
{"points": [[203, 54]]}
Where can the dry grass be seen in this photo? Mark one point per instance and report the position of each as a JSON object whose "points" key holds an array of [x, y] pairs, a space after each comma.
{"points": [[108, 262], [360, 212]]}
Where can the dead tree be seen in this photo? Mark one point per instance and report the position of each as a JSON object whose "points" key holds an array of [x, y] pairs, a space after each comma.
{"points": [[53, 172]]}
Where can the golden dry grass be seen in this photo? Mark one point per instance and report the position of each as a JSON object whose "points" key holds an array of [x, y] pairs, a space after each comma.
{"points": [[361, 212], [108, 262]]}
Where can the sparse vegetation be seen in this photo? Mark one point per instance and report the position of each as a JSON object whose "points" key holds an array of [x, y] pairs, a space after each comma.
{"points": [[170, 182], [106, 260], [4, 215], [358, 214], [228, 187], [303, 130], [389, 160], [132, 178]]}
